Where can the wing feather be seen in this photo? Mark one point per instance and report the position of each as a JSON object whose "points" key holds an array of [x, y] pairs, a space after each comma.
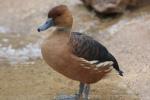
{"points": [[86, 47]]}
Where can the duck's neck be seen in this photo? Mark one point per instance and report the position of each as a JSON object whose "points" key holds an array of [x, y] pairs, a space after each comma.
{"points": [[60, 33], [63, 29]]}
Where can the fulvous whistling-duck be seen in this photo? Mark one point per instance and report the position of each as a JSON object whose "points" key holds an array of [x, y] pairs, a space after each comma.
{"points": [[75, 55]]}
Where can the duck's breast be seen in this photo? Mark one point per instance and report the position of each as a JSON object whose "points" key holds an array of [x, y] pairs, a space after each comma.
{"points": [[56, 52], [52, 50]]}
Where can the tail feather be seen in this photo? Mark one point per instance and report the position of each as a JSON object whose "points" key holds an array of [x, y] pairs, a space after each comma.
{"points": [[115, 65]]}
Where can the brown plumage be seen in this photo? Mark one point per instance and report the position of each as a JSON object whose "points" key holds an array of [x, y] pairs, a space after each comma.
{"points": [[73, 54], [88, 48]]}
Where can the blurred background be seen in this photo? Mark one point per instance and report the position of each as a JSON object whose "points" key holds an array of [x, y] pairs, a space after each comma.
{"points": [[123, 26]]}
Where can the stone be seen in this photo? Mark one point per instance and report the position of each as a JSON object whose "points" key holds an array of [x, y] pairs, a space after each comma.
{"points": [[113, 6]]}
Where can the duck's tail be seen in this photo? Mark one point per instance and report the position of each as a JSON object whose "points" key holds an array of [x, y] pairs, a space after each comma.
{"points": [[115, 63]]}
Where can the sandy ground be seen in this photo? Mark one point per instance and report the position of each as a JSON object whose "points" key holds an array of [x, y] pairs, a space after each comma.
{"points": [[127, 37], [39, 82]]}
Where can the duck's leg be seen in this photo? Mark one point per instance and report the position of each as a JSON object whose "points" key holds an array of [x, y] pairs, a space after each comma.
{"points": [[81, 89], [86, 91], [73, 97]]}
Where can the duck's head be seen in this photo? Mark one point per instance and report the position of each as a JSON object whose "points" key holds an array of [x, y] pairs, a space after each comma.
{"points": [[59, 17]]}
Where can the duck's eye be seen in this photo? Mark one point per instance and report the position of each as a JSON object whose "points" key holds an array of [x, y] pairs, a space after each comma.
{"points": [[58, 15]]}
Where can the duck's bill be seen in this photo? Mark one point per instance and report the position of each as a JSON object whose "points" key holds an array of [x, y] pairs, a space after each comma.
{"points": [[49, 23]]}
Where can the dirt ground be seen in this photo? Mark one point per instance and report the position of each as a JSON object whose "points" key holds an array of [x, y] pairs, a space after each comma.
{"points": [[127, 37]]}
